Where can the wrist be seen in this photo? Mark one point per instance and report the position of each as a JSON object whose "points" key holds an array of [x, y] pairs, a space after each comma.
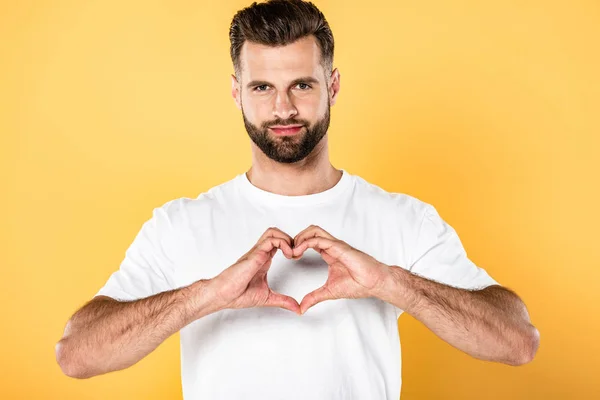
{"points": [[397, 288], [202, 299]]}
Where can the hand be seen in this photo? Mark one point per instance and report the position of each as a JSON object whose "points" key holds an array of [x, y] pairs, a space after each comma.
{"points": [[352, 273], [244, 284]]}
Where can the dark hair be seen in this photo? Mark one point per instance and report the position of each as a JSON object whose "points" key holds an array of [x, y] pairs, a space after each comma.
{"points": [[278, 23]]}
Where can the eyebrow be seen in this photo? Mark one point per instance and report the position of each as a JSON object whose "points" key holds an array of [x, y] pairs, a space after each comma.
{"points": [[305, 79]]}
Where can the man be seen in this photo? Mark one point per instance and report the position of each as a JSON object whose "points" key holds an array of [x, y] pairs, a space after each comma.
{"points": [[322, 324]]}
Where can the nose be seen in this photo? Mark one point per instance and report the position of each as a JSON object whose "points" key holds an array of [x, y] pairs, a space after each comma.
{"points": [[284, 107]]}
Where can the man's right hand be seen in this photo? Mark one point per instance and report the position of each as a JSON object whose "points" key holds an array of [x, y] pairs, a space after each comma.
{"points": [[244, 284]]}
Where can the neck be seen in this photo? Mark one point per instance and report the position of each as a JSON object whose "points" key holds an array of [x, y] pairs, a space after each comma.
{"points": [[314, 174]]}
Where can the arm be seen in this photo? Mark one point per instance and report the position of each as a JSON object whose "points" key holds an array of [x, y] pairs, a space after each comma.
{"points": [[107, 335], [490, 324]]}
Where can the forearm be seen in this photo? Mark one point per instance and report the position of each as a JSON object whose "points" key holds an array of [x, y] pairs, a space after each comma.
{"points": [[490, 324], [109, 335]]}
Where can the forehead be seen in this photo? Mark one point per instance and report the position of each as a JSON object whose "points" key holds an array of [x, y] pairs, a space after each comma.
{"points": [[301, 57]]}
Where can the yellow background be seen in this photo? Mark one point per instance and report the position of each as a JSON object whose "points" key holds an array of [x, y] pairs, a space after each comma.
{"points": [[487, 110]]}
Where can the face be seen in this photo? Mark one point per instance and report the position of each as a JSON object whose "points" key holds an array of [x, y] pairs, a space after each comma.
{"points": [[285, 86]]}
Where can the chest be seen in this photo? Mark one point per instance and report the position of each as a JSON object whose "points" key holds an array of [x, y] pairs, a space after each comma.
{"points": [[219, 241]]}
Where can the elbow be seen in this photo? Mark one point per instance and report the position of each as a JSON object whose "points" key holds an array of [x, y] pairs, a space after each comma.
{"points": [[64, 358], [529, 346]]}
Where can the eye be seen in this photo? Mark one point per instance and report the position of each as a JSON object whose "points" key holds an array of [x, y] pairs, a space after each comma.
{"points": [[307, 86], [256, 88]]}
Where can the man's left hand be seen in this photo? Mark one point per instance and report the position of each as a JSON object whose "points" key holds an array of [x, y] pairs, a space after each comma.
{"points": [[352, 273]]}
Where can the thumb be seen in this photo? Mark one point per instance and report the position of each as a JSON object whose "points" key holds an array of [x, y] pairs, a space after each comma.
{"points": [[280, 300], [315, 297]]}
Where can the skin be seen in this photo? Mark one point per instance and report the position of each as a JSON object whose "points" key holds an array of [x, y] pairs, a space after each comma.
{"points": [[107, 335], [284, 102], [491, 324]]}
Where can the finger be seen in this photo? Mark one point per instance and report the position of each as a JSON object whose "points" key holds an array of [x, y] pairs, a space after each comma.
{"points": [[272, 252], [271, 244], [302, 233], [320, 244], [312, 231], [280, 300], [271, 232], [275, 232], [264, 252], [315, 297]]}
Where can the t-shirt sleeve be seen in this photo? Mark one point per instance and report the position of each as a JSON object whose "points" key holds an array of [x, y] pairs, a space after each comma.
{"points": [[440, 256], [148, 266]]}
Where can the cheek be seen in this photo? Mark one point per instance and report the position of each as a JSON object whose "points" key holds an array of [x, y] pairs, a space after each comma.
{"points": [[310, 107], [258, 112], [254, 109]]}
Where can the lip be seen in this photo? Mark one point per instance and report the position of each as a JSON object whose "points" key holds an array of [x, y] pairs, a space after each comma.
{"points": [[286, 130]]}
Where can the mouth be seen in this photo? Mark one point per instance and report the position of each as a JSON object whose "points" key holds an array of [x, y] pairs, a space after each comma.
{"points": [[286, 130]]}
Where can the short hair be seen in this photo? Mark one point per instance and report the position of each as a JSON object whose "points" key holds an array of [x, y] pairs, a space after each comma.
{"points": [[278, 23]]}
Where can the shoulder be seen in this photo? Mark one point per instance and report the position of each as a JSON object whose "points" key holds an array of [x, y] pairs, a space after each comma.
{"points": [[403, 206], [185, 212]]}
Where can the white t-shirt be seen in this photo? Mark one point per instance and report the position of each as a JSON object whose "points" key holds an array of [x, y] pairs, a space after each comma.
{"points": [[339, 349]]}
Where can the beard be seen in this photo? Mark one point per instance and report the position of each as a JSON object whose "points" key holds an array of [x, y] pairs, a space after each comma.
{"points": [[288, 149]]}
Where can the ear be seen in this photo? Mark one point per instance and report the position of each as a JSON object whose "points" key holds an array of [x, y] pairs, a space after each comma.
{"points": [[235, 91], [334, 86]]}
